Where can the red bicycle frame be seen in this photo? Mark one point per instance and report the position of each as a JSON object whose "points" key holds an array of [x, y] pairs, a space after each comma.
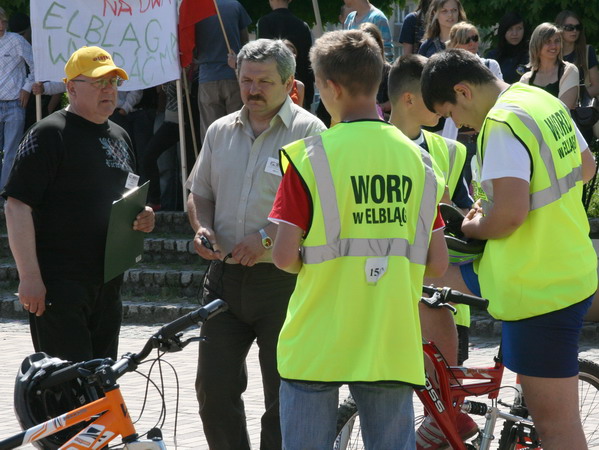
{"points": [[443, 397]]}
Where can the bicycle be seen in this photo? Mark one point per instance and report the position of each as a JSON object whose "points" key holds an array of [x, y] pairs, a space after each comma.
{"points": [[445, 397], [104, 414]]}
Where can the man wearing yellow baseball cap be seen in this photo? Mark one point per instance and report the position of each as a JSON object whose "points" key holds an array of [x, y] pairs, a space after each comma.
{"points": [[91, 62], [69, 169]]}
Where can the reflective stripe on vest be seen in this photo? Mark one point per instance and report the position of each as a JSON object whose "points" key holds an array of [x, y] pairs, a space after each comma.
{"points": [[558, 187], [336, 247]]}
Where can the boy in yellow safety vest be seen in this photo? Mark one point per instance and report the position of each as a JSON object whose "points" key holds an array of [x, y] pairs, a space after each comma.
{"points": [[410, 114], [356, 209], [539, 268]]}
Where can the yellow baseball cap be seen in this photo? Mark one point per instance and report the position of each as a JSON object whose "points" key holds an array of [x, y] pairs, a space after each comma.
{"points": [[92, 62]]}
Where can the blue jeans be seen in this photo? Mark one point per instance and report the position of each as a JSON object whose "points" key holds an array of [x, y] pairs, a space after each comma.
{"points": [[12, 121], [309, 414]]}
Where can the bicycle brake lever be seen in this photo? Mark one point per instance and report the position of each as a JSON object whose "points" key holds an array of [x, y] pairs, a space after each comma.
{"points": [[175, 344], [193, 339], [171, 345]]}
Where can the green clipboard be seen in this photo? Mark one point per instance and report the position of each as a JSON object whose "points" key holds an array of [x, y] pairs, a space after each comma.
{"points": [[124, 245]]}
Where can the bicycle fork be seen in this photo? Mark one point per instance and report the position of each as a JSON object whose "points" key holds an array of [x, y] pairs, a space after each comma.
{"points": [[491, 414]]}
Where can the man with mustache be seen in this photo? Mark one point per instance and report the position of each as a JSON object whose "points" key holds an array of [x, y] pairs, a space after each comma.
{"points": [[233, 186]]}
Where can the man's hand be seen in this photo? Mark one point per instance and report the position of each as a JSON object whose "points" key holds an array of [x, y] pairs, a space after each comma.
{"points": [[38, 88], [32, 295], [24, 98], [232, 60], [509, 211], [144, 220], [201, 249], [249, 250], [471, 222]]}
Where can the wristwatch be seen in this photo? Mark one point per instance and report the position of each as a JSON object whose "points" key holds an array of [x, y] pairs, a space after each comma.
{"points": [[266, 239]]}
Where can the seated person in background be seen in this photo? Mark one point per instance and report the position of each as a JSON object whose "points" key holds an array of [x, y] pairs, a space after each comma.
{"points": [[442, 15], [412, 29], [512, 47], [548, 70]]}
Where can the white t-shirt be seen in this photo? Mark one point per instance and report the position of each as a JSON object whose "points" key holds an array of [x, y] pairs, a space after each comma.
{"points": [[505, 156]]}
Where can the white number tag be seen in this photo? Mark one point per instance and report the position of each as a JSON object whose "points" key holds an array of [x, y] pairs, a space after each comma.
{"points": [[132, 181], [375, 268]]}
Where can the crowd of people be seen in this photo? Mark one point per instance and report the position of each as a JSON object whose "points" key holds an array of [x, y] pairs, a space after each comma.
{"points": [[320, 233]]}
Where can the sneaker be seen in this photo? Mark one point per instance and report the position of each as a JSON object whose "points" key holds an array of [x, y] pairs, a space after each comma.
{"points": [[430, 437]]}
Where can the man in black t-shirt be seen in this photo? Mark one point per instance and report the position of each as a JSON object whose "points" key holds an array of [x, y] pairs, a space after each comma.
{"points": [[283, 24], [69, 169]]}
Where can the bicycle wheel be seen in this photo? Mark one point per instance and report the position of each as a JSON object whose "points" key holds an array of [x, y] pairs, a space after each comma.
{"points": [[588, 398], [349, 435]]}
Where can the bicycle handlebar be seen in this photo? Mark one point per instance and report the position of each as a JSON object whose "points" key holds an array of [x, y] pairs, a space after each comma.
{"points": [[169, 330], [199, 315], [130, 361], [448, 295]]}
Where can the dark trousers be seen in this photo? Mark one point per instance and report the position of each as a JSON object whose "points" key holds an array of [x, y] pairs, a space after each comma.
{"points": [[165, 137], [81, 322], [257, 297]]}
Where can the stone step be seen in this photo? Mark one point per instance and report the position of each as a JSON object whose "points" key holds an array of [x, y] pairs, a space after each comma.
{"points": [[156, 250], [163, 283], [172, 222], [167, 250], [166, 222], [4, 247]]}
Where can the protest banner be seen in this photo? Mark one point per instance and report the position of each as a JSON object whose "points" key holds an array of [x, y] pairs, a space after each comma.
{"points": [[141, 36]]}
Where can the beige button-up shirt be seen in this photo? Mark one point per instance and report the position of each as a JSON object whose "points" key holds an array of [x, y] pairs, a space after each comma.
{"points": [[240, 173]]}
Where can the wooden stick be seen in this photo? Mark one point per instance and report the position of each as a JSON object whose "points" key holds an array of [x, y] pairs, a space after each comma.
{"points": [[222, 26], [190, 114], [182, 149], [38, 107], [319, 29]]}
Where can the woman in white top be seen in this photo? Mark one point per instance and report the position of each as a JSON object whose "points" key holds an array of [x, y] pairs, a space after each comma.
{"points": [[548, 70]]}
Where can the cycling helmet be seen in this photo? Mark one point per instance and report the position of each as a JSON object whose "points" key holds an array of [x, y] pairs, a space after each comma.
{"points": [[34, 405], [462, 250]]}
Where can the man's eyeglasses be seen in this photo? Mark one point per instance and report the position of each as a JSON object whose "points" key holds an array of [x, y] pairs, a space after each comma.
{"points": [[103, 82], [471, 39], [570, 27]]}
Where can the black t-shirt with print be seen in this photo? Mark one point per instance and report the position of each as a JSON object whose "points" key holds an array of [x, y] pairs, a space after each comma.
{"points": [[70, 170]]}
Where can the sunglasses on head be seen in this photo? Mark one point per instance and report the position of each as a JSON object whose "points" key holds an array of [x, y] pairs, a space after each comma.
{"points": [[570, 27], [471, 39]]}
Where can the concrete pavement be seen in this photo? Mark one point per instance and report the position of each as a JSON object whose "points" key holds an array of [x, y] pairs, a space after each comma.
{"points": [[15, 345]]}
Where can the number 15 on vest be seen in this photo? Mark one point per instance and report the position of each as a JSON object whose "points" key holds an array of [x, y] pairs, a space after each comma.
{"points": [[375, 268]]}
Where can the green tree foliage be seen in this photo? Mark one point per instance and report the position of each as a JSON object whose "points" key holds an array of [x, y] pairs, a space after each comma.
{"points": [[487, 13], [13, 6], [329, 9]]}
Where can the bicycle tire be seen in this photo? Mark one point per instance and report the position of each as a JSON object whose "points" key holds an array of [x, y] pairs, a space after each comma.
{"points": [[588, 398], [348, 435]]}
